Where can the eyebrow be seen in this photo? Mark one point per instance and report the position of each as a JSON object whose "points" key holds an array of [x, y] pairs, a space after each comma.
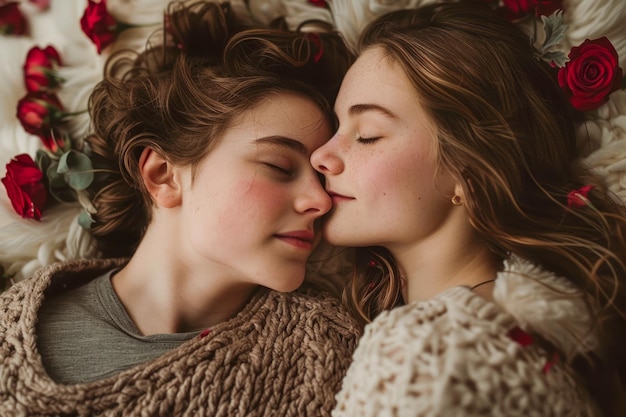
{"points": [[284, 142], [362, 108]]}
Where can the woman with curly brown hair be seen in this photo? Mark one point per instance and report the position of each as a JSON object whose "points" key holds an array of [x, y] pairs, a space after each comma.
{"points": [[490, 262], [206, 207]]}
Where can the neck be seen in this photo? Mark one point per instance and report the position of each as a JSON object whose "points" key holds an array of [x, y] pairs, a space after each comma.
{"points": [[426, 279], [163, 294], [451, 258]]}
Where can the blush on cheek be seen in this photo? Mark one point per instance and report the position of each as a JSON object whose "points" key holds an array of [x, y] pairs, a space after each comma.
{"points": [[261, 191], [251, 204], [384, 178]]}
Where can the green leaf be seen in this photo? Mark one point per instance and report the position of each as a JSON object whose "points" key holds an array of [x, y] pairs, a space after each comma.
{"points": [[77, 169], [558, 57], [554, 29], [55, 180], [85, 220], [56, 184], [42, 159]]}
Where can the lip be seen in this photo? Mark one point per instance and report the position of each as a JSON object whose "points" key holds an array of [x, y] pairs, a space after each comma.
{"points": [[302, 239], [337, 197]]}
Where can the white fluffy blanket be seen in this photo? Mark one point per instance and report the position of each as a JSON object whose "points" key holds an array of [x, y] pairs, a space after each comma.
{"points": [[25, 245]]}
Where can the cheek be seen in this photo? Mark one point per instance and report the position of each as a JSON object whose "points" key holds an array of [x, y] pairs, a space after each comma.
{"points": [[248, 203], [260, 192], [396, 178], [403, 190]]}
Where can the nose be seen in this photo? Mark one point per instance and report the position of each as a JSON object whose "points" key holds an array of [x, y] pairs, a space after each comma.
{"points": [[326, 161], [312, 198]]}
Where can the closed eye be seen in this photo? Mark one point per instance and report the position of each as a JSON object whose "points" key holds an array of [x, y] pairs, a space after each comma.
{"points": [[367, 141], [279, 169]]}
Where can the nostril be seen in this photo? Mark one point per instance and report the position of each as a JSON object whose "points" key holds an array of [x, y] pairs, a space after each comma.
{"points": [[317, 161], [327, 163], [321, 168]]}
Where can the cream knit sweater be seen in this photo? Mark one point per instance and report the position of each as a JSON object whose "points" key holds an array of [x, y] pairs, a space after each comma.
{"points": [[283, 355], [456, 355]]}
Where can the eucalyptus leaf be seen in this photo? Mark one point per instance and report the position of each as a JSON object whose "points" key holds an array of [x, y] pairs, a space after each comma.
{"points": [[554, 29], [85, 220], [42, 159], [56, 184], [55, 180], [558, 57], [77, 169]]}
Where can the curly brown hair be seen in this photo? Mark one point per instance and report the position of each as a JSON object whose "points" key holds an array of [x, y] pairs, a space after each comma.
{"points": [[181, 93]]}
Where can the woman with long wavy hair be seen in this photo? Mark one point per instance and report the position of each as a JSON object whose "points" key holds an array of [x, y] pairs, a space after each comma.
{"points": [[490, 262]]}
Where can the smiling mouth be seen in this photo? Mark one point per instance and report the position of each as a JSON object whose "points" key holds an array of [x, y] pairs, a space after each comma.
{"points": [[300, 240]]}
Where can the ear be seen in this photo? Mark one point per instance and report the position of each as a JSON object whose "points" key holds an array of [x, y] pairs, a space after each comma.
{"points": [[160, 178]]}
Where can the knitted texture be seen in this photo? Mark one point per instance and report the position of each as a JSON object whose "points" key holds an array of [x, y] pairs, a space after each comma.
{"points": [[285, 354], [453, 356]]}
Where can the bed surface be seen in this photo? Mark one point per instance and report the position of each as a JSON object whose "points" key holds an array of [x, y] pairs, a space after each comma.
{"points": [[26, 244]]}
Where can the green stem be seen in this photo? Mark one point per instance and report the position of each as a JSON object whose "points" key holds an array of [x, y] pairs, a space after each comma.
{"points": [[122, 26], [75, 113]]}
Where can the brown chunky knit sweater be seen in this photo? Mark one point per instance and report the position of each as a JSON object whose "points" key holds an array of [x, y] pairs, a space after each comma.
{"points": [[283, 355]]}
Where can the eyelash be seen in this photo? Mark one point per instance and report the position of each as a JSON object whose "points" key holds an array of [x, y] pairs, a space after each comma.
{"points": [[279, 169], [367, 141]]}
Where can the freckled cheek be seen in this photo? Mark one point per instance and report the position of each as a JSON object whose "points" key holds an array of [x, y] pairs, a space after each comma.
{"points": [[400, 182], [384, 177]]}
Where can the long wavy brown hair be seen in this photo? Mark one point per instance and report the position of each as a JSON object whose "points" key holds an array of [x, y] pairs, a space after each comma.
{"points": [[206, 67], [507, 133]]}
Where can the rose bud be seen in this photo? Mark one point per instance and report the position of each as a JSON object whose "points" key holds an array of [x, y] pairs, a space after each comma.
{"points": [[99, 25], [12, 20], [40, 69], [41, 114]]}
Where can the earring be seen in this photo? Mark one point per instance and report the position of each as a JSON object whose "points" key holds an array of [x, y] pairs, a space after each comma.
{"points": [[456, 200]]}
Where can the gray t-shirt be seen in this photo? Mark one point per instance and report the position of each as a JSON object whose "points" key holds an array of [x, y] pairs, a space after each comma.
{"points": [[85, 334]]}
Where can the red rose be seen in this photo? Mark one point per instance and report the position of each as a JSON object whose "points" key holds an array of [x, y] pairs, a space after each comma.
{"points": [[40, 114], [40, 69], [12, 20], [99, 25], [591, 74], [25, 187], [519, 8]]}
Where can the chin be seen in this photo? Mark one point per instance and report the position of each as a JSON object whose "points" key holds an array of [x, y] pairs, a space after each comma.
{"points": [[286, 288], [292, 283]]}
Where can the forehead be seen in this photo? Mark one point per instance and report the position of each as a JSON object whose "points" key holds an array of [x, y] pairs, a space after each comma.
{"points": [[374, 78], [285, 114]]}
